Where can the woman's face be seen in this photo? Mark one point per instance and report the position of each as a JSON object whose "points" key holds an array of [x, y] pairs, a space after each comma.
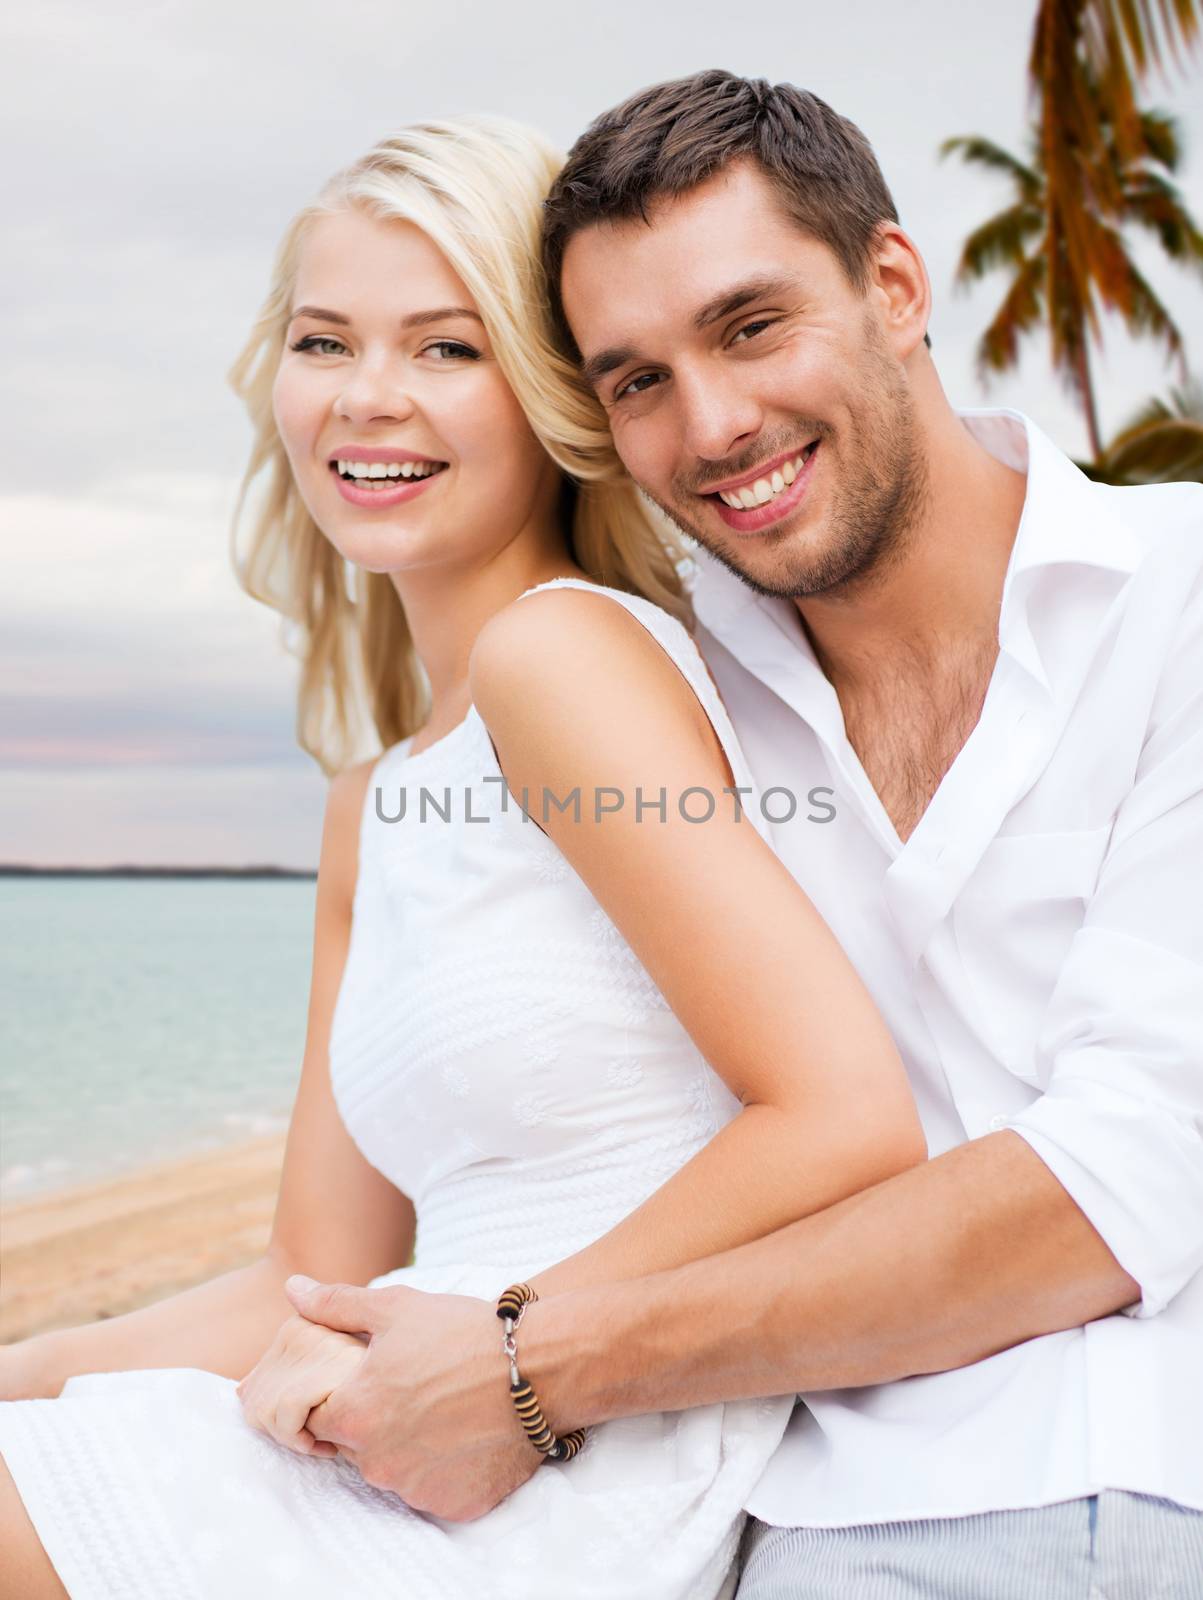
{"points": [[387, 366]]}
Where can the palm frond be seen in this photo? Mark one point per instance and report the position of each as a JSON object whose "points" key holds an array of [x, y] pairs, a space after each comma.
{"points": [[1160, 137], [1152, 203], [1020, 312], [1148, 315], [1122, 41], [1162, 443], [1000, 242], [1149, 29], [985, 153]]}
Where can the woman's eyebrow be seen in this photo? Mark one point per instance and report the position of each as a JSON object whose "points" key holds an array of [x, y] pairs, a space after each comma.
{"points": [[320, 315], [419, 319], [416, 319]]}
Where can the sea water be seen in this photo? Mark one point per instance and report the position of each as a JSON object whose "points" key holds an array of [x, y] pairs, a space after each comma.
{"points": [[145, 1019]]}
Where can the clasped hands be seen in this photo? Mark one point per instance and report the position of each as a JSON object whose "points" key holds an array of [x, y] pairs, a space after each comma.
{"points": [[410, 1387]]}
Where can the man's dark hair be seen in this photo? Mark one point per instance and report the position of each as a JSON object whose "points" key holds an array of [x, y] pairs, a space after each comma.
{"points": [[667, 139]]}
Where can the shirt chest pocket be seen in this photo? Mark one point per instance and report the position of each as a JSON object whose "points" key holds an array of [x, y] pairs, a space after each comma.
{"points": [[1014, 922]]}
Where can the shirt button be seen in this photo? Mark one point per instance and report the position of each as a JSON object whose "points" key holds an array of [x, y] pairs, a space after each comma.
{"points": [[997, 1121]]}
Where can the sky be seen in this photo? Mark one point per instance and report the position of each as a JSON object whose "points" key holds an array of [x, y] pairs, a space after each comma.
{"points": [[148, 703]]}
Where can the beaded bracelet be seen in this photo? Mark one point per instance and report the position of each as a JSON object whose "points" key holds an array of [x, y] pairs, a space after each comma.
{"points": [[511, 1308]]}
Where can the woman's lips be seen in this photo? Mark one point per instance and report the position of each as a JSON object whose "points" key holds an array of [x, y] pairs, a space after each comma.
{"points": [[403, 489], [757, 518]]}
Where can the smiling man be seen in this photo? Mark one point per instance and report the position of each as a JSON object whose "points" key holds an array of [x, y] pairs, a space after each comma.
{"points": [[996, 665]]}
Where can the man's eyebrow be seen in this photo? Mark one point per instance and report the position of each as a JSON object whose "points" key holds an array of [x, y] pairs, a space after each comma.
{"points": [[766, 286], [416, 319], [595, 369], [763, 287]]}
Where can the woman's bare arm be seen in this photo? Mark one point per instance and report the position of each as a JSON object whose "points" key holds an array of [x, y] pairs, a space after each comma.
{"points": [[577, 694], [336, 1216]]}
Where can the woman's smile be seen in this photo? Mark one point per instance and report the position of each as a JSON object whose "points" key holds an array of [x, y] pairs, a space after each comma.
{"points": [[377, 484]]}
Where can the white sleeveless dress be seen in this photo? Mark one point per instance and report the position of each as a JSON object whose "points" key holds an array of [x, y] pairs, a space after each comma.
{"points": [[501, 1055]]}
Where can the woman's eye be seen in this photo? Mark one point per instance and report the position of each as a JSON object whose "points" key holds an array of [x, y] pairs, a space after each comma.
{"points": [[311, 341], [752, 328], [453, 350], [635, 386]]}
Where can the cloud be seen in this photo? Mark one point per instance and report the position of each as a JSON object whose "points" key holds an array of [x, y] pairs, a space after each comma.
{"points": [[122, 625]]}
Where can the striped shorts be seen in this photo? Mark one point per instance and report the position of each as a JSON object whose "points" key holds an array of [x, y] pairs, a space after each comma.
{"points": [[1110, 1546]]}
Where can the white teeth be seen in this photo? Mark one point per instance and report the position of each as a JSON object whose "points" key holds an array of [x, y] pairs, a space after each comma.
{"points": [[764, 489], [387, 469]]}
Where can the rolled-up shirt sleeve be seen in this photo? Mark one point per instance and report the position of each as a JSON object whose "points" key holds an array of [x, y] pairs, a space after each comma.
{"points": [[1120, 1055]]}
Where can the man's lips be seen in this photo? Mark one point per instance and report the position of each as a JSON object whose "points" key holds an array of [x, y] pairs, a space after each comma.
{"points": [[755, 519], [765, 470]]}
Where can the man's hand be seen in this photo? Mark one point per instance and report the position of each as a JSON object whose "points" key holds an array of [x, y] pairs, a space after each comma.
{"points": [[427, 1414], [300, 1369]]}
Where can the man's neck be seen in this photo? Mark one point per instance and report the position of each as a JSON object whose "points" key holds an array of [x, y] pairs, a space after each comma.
{"points": [[943, 591]]}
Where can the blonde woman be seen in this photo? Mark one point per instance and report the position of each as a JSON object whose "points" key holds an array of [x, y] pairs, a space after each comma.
{"points": [[579, 1045]]}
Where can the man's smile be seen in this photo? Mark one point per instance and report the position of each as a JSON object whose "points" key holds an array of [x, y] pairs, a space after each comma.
{"points": [[760, 498]]}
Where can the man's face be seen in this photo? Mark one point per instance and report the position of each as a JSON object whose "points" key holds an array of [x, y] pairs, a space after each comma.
{"points": [[753, 393]]}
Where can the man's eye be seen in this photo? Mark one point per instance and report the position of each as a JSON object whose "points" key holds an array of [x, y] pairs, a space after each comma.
{"points": [[753, 328], [634, 385], [311, 341]]}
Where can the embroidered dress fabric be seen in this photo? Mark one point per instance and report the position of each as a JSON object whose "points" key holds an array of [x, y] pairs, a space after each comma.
{"points": [[499, 1053]]}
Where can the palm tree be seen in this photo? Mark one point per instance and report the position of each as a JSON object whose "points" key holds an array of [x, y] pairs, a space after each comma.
{"points": [[1087, 59], [1118, 42], [1048, 282], [1162, 443]]}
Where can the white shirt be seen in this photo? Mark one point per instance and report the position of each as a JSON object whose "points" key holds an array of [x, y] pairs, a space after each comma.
{"points": [[1036, 947]]}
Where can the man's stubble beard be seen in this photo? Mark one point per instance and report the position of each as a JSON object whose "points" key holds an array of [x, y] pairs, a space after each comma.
{"points": [[872, 514]]}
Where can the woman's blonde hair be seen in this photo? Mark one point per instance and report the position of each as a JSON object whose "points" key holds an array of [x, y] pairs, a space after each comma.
{"points": [[475, 186]]}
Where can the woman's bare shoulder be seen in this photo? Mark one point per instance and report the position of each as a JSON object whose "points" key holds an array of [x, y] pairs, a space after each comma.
{"points": [[571, 655]]}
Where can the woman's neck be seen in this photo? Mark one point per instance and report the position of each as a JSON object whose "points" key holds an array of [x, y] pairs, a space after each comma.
{"points": [[446, 609]]}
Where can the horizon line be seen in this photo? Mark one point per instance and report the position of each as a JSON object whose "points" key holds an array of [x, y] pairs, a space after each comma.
{"points": [[18, 869]]}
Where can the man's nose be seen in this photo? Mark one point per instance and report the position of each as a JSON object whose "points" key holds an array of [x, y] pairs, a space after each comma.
{"points": [[717, 415]]}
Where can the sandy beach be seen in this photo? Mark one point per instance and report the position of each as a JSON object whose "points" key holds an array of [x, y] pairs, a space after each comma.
{"points": [[80, 1254]]}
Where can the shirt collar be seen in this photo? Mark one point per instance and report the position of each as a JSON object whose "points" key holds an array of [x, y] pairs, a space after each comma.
{"points": [[1066, 520]]}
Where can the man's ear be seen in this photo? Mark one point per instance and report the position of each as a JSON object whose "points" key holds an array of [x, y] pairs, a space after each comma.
{"points": [[901, 289]]}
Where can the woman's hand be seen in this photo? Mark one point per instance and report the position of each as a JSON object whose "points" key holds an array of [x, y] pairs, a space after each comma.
{"points": [[300, 1369]]}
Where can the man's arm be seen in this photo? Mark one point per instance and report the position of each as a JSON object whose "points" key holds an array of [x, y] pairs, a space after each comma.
{"points": [[938, 1267]]}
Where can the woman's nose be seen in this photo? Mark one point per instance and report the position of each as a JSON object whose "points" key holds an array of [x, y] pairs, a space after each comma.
{"points": [[374, 392]]}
